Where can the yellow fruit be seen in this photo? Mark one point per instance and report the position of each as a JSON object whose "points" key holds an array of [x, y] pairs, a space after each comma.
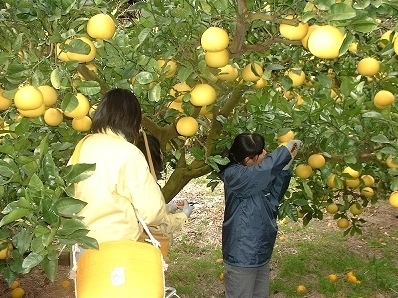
{"points": [[14, 284], [393, 200], [390, 162], [343, 223], [217, 59], [352, 279], [221, 276], [33, 113], [219, 261], [261, 83], [353, 182], [66, 284], [332, 208], [101, 26], [53, 116], [5, 103], [249, 76], [179, 90], [82, 108], [355, 210], [367, 192], [330, 181], [293, 32], [353, 173], [304, 40], [332, 277], [353, 47], [286, 137], [325, 42], [297, 76], [203, 95], [6, 251], [187, 126], [62, 54], [368, 66], [289, 95], [28, 98], [50, 95], [282, 238], [301, 289], [303, 171], [383, 98], [368, 180], [214, 39], [396, 46], [228, 73], [171, 67], [83, 57], [176, 105], [81, 124], [17, 293], [316, 161], [386, 38]]}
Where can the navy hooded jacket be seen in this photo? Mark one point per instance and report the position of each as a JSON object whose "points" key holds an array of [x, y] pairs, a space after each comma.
{"points": [[252, 197]]}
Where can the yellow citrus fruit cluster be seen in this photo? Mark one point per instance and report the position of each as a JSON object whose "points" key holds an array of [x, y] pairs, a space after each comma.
{"points": [[316, 161], [101, 26], [80, 119], [5, 103], [393, 199], [383, 99], [214, 41], [187, 126], [29, 101], [292, 32], [179, 90], [303, 171], [228, 73], [169, 66], [351, 278], [368, 66], [325, 42]]}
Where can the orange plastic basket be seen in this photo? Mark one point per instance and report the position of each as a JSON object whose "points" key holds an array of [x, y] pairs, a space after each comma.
{"points": [[121, 268]]}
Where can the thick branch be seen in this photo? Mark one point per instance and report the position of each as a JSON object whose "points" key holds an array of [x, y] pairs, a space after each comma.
{"points": [[91, 76]]}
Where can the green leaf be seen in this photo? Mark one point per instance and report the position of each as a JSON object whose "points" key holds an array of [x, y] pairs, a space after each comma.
{"points": [[144, 77], [307, 191], [78, 46], [49, 211], [78, 172], [50, 267], [71, 225], [364, 25], [14, 215], [32, 260], [380, 138], [69, 206], [22, 240], [50, 171], [197, 153], [69, 103], [341, 11], [89, 87], [154, 93]]}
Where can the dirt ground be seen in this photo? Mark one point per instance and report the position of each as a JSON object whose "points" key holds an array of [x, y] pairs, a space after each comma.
{"points": [[209, 210]]}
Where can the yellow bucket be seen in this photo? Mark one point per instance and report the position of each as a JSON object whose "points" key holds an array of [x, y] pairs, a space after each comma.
{"points": [[121, 268]]}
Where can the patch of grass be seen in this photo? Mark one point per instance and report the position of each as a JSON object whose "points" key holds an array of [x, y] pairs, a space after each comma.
{"points": [[194, 272], [307, 256]]}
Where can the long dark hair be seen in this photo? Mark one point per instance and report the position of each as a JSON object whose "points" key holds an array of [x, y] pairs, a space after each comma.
{"points": [[120, 111], [156, 153], [244, 145]]}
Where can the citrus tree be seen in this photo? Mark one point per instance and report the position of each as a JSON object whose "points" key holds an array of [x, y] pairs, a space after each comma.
{"points": [[322, 71]]}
